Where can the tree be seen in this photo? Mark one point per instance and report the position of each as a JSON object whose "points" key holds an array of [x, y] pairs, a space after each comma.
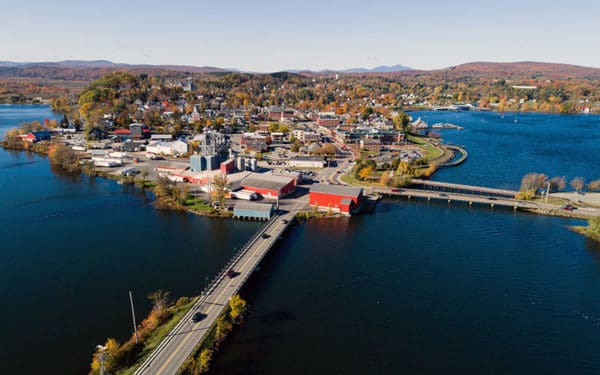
{"points": [[219, 189], [203, 364], [237, 306], [160, 300], [594, 185], [365, 173], [64, 158], [402, 121], [533, 181], [385, 178], [557, 184], [577, 184]]}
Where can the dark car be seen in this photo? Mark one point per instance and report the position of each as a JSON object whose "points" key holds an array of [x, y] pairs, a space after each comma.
{"points": [[198, 316], [231, 273], [568, 208], [493, 198], [264, 235], [284, 221], [444, 195]]}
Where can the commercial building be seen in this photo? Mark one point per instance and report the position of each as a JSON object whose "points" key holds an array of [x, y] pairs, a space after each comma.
{"points": [[307, 162], [253, 210], [337, 198], [268, 185]]}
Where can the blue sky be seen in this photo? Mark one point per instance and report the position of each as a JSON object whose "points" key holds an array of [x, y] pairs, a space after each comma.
{"points": [[266, 35]]}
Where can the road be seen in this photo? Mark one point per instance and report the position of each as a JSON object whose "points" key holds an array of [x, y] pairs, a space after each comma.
{"points": [[180, 343]]}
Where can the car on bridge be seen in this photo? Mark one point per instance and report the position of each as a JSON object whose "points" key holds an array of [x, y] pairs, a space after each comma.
{"points": [[231, 273], [265, 235], [198, 316]]}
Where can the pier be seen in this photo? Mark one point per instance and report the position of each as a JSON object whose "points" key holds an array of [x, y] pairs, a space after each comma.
{"points": [[180, 343]]}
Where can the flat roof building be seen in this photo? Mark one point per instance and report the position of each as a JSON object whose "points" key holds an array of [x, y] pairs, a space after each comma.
{"points": [[253, 210]]}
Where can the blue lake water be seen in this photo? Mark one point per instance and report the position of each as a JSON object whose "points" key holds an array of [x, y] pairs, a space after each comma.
{"points": [[72, 248], [415, 288], [501, 151]]}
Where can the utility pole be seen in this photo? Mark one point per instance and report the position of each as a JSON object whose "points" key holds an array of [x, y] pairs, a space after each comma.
{"points": [[133, 317], [101, 357], [547, 191]]}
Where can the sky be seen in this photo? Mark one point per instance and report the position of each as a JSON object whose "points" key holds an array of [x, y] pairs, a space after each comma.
{"points": [[269, 35]]}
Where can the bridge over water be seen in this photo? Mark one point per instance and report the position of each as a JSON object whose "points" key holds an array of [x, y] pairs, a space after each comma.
{"points": [[180, 343]]}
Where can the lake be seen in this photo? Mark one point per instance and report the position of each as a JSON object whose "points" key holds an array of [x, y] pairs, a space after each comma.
{"points": [[416, 287], [71, 250]]}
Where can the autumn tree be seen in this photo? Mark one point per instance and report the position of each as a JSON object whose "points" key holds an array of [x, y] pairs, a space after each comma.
{"points": [[237, 306], [365, 173], [577, 184], [64, 158], [219, 189], [594, 185], [557, 184], [402, 121]]}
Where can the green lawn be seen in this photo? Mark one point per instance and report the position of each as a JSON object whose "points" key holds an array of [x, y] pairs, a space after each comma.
{"points": [[197, 205]]}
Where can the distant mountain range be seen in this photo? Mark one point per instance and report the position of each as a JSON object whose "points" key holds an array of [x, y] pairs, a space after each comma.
{"points": [[377, 69], [103, 64]]}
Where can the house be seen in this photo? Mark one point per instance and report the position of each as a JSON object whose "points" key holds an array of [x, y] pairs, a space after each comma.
{"points": [[307, 162], [38, 136], [306, 137], [253, 210], [344, 199], [257, 146]]}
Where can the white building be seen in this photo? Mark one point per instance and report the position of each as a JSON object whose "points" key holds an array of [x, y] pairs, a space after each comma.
{"points": [[307, 162], [167, 148]]}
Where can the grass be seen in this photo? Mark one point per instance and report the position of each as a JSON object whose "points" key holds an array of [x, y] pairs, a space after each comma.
{"points": [[431, 152], [156, 337], [197, 205], [351, 180], [584, 230]]}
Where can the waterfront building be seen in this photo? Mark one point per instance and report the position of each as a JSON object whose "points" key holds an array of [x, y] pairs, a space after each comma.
{"points": [[253, 210], [344, 199]]}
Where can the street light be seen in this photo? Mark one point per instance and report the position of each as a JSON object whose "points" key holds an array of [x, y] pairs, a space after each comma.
{"points": [[102, 357]]}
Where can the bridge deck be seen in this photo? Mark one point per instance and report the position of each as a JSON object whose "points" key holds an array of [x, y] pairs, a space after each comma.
{"points": [[169, 356], [465, 188]]}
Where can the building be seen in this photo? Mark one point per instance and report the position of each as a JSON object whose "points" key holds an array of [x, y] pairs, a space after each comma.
{"points": [[139, 131], [279, 114], [370, 144], [344, 199], [268, 185], [307, 137], [253, 210], [307, 162], [167, 148], [228, 166], [37, 136], [327, 120]]}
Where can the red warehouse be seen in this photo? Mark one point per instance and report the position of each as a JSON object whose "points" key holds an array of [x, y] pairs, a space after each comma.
{"points": [[344, 199], [269, 185]]}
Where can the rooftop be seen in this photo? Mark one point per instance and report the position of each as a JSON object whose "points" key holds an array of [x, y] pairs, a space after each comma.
{"points": [[346, 191], [266, 181], [253, 206]]}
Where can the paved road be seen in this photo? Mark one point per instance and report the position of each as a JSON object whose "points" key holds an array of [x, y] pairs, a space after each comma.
{"points": [[179, 344]]}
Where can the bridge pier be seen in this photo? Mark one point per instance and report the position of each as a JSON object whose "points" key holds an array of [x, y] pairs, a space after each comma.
{"points": [[449, 201], [491, 205], [470, 204]]}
